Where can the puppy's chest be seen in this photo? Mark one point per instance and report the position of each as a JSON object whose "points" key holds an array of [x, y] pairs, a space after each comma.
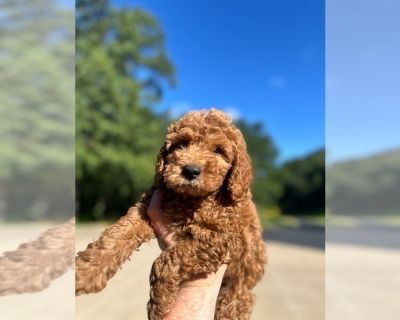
{"points": [[181, 214]]}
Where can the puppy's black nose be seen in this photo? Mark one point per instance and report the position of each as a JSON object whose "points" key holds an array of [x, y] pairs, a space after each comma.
{"points": [[191, 172]]}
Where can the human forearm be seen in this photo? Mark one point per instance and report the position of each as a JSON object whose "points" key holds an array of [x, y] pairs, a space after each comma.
{"points": [[197, 298]]}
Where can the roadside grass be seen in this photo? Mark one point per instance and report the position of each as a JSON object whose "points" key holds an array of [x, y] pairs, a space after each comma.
{"points": [[272, 218], [356, 220], [392, 220], [318, 220], [341, 220]]}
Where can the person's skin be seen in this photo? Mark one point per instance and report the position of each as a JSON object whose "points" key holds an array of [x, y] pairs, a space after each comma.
{"points": [[196, 298]]}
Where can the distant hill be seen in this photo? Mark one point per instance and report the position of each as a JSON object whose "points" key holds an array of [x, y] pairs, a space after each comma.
{"points": [[368, 185]]}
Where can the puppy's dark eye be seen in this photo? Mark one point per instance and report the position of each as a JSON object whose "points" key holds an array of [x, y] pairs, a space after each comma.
{"points": [[183, 144], [179, 145], [218, 151]]}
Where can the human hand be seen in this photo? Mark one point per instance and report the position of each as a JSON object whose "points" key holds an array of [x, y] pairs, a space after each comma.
{"points": [[196, 297], [154, 212], [166, 239]]}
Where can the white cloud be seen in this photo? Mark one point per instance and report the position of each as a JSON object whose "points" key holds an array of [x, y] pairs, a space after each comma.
{"points": [[231, 111], [179, 108], [277, 82]]}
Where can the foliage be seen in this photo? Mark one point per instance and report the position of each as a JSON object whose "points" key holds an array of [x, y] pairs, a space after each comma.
{"points": [[303, 182], [36, 106], [121, 66]]}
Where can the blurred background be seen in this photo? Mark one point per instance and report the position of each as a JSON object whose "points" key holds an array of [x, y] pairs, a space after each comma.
{"points": [[363, 159], [37, 181], [142, 64]]}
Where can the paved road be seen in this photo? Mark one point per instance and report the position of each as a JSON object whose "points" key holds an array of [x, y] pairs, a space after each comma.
{"points": [[362, 275], [293, 287], [305, 235], [362, 282], [365, 234]]}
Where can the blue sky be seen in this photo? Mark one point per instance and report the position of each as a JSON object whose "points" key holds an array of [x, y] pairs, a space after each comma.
{"points": [[264, 61], [260, 60], [363, 93]]}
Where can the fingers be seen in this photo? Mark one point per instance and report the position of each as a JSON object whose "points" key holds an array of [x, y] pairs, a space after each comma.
{"points": [[155, 214], [154, 209]]}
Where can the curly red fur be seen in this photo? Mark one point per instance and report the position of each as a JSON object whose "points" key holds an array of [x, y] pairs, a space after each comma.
{"points": [[213, 218], [35, 264]]}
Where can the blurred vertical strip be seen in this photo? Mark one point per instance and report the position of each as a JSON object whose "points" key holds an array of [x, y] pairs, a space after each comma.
{"points": [[363, 164], [37, 159]]}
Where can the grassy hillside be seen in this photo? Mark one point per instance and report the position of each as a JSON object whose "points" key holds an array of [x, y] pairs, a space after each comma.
{"points": [[367, 185]]}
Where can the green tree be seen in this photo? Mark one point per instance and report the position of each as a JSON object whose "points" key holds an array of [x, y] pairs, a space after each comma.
{"points": [[121, 67], [303, 183], [36, 108]]}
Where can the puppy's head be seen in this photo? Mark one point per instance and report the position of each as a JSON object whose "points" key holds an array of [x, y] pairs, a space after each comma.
{"points": [[204, 153]]}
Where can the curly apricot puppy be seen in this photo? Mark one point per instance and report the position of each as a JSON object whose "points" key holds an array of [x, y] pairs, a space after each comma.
{"points": [[205, 173]]}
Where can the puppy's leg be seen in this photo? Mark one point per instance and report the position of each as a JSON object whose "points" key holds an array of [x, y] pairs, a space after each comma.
{"points": [[253, 255], [102, 258], [234, 302], [178, 264]]}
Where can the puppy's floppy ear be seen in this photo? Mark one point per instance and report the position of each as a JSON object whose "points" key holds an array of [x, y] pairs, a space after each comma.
{"points": [[240, 176], [161, 158]]}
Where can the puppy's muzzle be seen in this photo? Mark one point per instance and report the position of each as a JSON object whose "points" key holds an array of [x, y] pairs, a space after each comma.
{"points": [[191, 172]]}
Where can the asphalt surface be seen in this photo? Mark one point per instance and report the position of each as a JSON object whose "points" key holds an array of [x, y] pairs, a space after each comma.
{"points": [[366, 235], [292, 288], [361, 279], [305, 235]]}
